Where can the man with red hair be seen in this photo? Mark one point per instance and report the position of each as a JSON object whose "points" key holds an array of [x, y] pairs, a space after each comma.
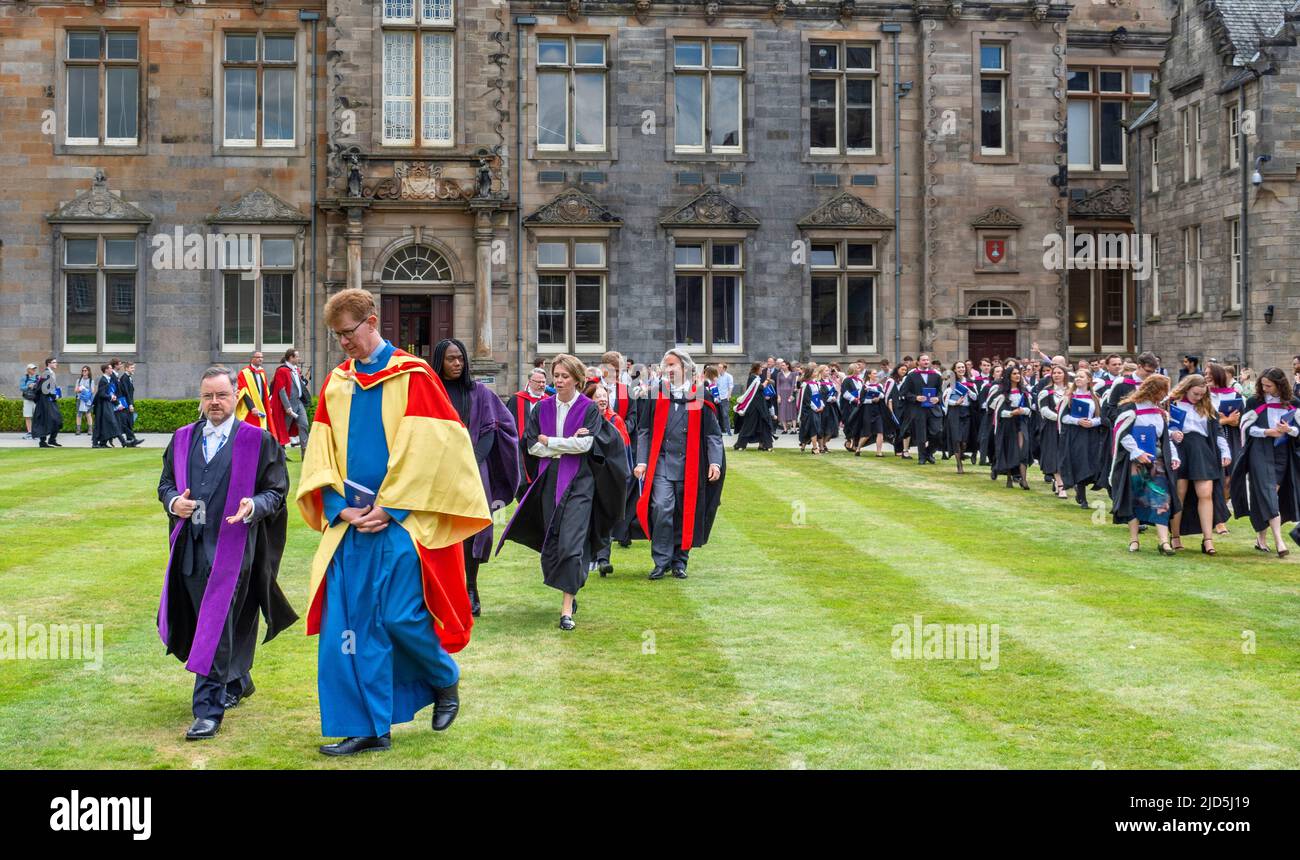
{"points": [[388, 593]]}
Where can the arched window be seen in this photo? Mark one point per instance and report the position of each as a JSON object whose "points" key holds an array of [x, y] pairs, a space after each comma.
{"points": [[992, 309], [416, 264]]}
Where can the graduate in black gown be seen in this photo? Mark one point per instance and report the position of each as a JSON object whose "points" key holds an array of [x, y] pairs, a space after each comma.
{"points": [[896, 426], [851, 405], [1124, 385], [47, 420], [873, 412], [492, 431], [1203, 454], [580, 491], [1229, 401], [106, 429], [811, 410], [1053, 396], [1010, 408], [957, 399], [754, 421], [598, 391], [1141, 483], [987, 390], [1082, 436], [1266, 478], [223, 487], [924, 411]]}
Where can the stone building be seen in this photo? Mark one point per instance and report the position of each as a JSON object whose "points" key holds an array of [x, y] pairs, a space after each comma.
{"points": [[1228, 106], [829, 179], [134, 135]]}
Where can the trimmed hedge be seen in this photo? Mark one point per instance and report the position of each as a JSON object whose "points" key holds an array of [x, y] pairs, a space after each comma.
{"points": [[152, 416]]}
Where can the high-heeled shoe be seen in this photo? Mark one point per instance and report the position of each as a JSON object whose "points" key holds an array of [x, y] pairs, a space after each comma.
{"points": [[1166, 549], [1024, 485], [1208, 550], [1259, 548], [1134, 546]]}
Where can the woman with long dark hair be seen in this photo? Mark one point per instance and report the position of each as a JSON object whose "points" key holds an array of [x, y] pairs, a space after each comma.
{"points": [[493, 432], [896, 429], [957, 400], [754, 423], [1051, 399], [1228, 401], [85, 394], [1266, 479], [1010, 410], [1204, 455]]}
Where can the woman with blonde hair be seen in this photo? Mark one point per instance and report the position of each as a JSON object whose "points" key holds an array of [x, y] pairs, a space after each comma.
{"points": [[811, 410], [1082, 436], [1204, 454], [580, 490], [1143, 463]]}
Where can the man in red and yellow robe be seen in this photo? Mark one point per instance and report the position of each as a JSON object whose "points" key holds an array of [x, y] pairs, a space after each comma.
{"points": [[251, 391], [390, 480]]}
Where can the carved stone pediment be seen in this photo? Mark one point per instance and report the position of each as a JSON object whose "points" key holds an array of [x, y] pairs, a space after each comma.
{"points": [[709, 209], [1113, 201], [572, 207], [847, 210], [99, 205], [997, 217], [258, 207], [425, 180]]}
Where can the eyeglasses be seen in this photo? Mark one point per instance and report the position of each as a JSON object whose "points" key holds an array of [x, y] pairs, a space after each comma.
{"points": [[349, 332]]}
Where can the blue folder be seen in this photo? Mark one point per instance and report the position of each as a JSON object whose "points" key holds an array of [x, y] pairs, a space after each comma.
{"points": [[1289, 418], [1177, 416], [1079, 408], [1231, 407], [1145, 437], [929, 392]]}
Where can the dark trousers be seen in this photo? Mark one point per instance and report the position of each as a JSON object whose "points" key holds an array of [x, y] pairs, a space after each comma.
{"points": [[210, 695], [927, 431], [724, 416], [666, 524]]}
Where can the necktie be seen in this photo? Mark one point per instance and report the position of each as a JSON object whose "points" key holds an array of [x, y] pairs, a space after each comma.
{"points": [[212, 443]]}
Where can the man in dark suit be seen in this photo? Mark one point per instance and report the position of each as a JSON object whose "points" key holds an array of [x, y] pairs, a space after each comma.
{"points": [[223, 486], [677, 506], [924, 410]]}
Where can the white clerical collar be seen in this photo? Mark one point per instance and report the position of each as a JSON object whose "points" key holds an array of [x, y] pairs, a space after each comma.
{"points": [[568, 402], [224, 427]]}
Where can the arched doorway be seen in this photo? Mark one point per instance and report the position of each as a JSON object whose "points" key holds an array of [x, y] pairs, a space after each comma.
{"points": [[987, 338], [416, 307]]}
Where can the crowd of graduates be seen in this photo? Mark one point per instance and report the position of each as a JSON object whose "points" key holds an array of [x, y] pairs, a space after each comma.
{"points": [[1183, 457]]}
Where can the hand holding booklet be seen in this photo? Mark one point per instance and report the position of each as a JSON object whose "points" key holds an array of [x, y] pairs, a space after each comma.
{"points": [[1177, 417], [1289, 418], [1145, 437], [358, 495]]}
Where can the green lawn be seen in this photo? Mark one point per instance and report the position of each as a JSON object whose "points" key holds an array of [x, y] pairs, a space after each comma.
{"points": [[776, 653]]}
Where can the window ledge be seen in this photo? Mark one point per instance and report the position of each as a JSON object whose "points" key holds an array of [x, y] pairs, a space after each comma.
{"points": [[222, 151], [1234, 314], [555, 156], [1189, 317], [1153, 320], [709, 158], [99, 149], [829, 158]]}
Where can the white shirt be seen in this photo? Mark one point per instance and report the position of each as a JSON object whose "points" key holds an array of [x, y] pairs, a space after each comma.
{"points": [[1155, 419], [1195, 422], [212, 443], [1271, 416], [559, 445]]}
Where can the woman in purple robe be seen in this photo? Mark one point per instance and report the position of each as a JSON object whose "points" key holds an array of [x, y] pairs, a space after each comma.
{"points": [[496, 450]]}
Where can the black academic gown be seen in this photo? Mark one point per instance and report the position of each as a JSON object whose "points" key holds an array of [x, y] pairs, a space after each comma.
{"points": [[257, 592], [126, 394], [755, 425], [569, 532], [708, 493], [1256, 473], [1121, 492], [106, 426], [1011, 436], [520, 406], [47, 420]]}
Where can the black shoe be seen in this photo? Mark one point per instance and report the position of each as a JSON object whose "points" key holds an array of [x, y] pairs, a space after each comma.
{"points": [[679, 573], [1295, 535], [56, 444], [566, 622], [475, 607], [44, 444], [605, 568], [657, 573], [232, 701], [352, 746], [446, 704], [202, 729], [135, 443], [626, 544]]}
